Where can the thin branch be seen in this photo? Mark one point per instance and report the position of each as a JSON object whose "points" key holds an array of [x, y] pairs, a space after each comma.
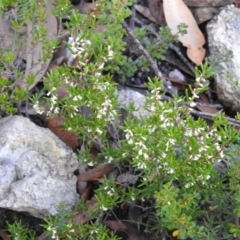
{"points": [[171, 46], [209, 116], [167, 85]]}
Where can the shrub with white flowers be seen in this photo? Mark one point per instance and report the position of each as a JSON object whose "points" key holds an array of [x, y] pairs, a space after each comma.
{"points": [[170, 154]]}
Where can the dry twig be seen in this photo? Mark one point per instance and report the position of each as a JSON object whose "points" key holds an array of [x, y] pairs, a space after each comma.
{"points": [[167, 85]]}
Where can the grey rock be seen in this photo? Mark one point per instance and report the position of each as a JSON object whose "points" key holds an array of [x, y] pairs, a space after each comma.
{"points": [[223, 36], [177, 74], [126, 95], [36, 168]]}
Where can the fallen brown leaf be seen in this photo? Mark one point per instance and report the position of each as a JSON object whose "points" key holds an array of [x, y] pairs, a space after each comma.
{"points": [[69, 138], [156, 9], [87, 7], [176, 12], [83, 216], [145, 12], [206, 109], [129, 229], [4, 235], [96, 173]]}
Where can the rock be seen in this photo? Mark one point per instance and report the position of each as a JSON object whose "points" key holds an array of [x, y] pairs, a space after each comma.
{"points": [[223, 36], [126, 95], [177, 74], [203, 14], [36, 169]]}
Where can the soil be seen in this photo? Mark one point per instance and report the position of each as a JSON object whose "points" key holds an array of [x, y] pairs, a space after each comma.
{"points": [[28, 221]]}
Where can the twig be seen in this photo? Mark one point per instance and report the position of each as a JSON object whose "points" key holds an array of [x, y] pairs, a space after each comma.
{"points": [[177, 50], [209, 105], [171, 46], [167, 85], [209, 116], [167, 98]]}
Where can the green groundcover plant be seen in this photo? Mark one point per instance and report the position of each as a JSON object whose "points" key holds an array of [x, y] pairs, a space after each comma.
{"points": [[171, 153]]}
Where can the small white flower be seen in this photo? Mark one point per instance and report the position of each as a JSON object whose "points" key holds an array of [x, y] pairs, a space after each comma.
{"points": [[98, 74], [56, 110], [99, 116], [221, 154], [219, 138], [110, 53], [162, 117], [199, 130], [110, 193], [196, 157], [101, 66], [141, 165], [146, 157], [91, 164], [37, 108], [77, 97], [104, 208], [188, 133], [99, 131], [203, 148], [94, 231], [110, 159], [195, 95], [193, 104], [163, 125], [172, 141], [152, 129], [128, 133]]}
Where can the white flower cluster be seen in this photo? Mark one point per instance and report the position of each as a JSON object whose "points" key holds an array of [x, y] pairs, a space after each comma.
{"points": [[106, 111], [202, 137], [104, 208], [110, 191], [142, 154], [53, 232], [110, 53], [53, 104], [76, 47], [40, 110], [94, 231]]}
